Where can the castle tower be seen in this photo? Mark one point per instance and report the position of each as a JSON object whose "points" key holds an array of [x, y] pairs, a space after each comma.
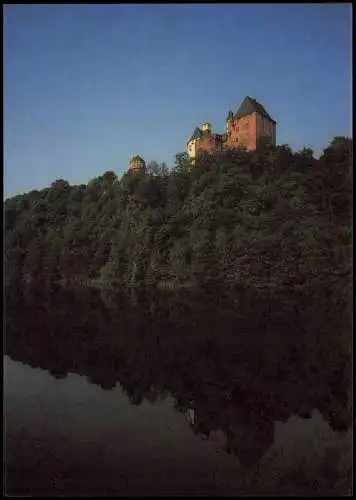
{"points": [[203, 140], [137, 163], [192, 144], [206, 127], [250, 126], [229, 120]]}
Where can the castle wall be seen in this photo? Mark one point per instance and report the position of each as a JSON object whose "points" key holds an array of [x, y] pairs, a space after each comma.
{"points": [[208, 142], [266, 130], [248, 131], [192, 148], [243, 131]]}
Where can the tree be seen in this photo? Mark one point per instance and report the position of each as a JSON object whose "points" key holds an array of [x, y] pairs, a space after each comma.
{"points": [[258, 217], [182, 161]]}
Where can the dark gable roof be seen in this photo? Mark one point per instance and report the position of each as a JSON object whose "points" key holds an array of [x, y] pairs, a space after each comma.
{"points": [[138, 158], [196, 134], [137, 162], [250, 106]]}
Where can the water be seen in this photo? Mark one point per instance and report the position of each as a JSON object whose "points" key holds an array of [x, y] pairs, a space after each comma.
{"points": [[175, 394]]}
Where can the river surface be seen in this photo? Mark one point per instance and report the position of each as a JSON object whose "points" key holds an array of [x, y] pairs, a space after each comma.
{"points": [[174, 394]]}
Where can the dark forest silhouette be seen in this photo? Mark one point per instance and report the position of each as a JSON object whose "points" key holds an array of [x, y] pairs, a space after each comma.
{"points": [[270, 218]]}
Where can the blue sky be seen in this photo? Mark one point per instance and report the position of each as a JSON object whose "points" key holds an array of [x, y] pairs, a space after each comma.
{"points": [[88, 86]]}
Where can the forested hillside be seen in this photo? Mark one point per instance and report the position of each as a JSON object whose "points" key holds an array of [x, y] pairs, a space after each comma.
{"points": [[268, 218]]}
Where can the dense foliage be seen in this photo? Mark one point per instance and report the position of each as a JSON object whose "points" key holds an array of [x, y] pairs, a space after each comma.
{"points": [[265, 218]]}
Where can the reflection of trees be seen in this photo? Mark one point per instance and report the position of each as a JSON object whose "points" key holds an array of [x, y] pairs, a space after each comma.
{"points": [[156, 393], [58, 374], [105, 383], [135, 399], [250, 440], [232, 375]]}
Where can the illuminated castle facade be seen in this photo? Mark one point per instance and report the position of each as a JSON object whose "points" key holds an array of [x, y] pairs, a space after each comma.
{"points": [[250, 127]]}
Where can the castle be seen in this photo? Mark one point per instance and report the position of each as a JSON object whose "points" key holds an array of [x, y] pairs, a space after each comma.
{"points": [[250, 127], [137, 163]]}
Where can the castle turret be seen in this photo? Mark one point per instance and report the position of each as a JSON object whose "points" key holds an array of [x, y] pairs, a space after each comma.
{"points": [[229, 121], [137, 163], [206, 127]]}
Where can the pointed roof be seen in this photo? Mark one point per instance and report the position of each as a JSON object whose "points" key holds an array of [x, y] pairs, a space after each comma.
{"points": [[137, 158], [136, 163], [196, 134], [249, 106]]}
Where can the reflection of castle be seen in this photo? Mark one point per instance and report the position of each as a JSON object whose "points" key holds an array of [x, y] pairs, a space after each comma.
{"points": [[250, 127], [234, 409], [248, 439]]}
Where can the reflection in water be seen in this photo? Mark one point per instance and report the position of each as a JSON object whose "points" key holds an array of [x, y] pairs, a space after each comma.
{"points": [[235, 367]]}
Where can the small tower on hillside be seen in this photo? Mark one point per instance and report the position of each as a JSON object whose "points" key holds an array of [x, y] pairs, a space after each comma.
{"points": [[137, 163]]}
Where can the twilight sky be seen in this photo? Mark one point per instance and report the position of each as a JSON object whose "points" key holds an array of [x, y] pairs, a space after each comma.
{"points": [[88, 86]]}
